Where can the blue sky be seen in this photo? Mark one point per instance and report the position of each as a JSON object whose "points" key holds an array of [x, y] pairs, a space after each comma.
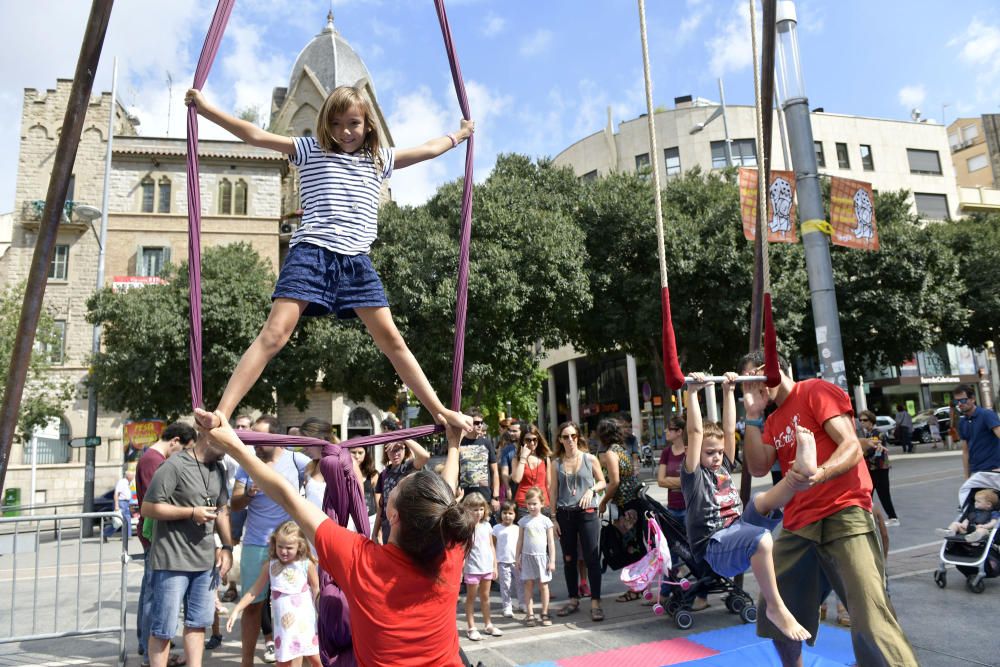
{"points": [[541, 74]]}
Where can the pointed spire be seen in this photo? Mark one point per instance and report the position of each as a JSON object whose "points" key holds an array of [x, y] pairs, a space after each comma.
{"points": [[329, 20]]}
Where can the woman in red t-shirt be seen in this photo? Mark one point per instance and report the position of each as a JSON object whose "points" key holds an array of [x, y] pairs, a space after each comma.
{"points": [[401, 595], [531, 469]]}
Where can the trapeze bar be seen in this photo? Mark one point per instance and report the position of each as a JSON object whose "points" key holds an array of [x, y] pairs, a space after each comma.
{"points": [[718, 379]]}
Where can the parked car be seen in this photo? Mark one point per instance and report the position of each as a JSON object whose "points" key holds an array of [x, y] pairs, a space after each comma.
{"points": [[922, 424], [885, 426]]}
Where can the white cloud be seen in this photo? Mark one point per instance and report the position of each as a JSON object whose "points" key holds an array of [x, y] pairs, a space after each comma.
{"points": [[494, 25], [689, 25], [417, 117], [536, 42], [730, 50], [980, 45], [912, 97]]}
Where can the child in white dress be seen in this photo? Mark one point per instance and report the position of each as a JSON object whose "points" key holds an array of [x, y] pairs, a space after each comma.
{"points": [[294, 581]]}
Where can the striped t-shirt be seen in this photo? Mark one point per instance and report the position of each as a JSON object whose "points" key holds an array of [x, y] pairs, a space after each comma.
{"points": [[340, 196]]}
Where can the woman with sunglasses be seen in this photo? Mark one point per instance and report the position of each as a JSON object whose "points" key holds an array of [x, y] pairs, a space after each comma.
{"points": [[399, 459], [531, 468], [877, 457], [573, 488]]}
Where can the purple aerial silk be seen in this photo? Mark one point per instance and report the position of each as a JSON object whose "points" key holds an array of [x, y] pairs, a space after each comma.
{"points": [[343, 495]]}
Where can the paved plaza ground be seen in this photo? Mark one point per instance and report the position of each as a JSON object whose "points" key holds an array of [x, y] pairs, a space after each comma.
{"points": [[945, 626]]}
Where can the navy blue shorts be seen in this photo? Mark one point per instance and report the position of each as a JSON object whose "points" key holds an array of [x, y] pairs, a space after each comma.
{"points": [[329, 281], [730, 549]]}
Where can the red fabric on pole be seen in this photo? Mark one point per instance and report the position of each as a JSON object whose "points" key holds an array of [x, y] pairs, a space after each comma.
{"points": [[771, 370], [671, 367], [208, 50]]}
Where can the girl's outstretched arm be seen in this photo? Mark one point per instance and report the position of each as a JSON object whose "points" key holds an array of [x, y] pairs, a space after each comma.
{"points": [[277, 488], [245, 130], [432, 148]]}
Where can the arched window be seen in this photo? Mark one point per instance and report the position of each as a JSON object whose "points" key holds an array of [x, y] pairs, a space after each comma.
{"points": [[148, 187], [359, 423], [225, 197], [240, 203], [52, 442], [163, 202]]}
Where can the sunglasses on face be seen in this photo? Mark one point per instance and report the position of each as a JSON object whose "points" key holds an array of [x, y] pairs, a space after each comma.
{"points": [[961, 401], [531, 439], [568, 436], [865, 421], [674, 428], [477, 424]]}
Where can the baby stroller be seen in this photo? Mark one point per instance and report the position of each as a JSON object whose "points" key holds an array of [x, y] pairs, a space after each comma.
{"points": [[700, 577], [976, 560]]}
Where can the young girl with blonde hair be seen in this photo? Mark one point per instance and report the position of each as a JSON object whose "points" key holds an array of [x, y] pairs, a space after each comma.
{"points": [[328, 271], [480, 569], [291, 572]]}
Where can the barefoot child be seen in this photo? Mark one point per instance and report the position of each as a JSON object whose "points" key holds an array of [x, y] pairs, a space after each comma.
{"points": [[536, 553], [718, 533], [341, 171], [294, 589], [480, 569], [505, 537]]}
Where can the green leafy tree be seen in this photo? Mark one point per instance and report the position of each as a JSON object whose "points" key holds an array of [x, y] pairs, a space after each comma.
{"points": [[143, 367], [46, 394]]}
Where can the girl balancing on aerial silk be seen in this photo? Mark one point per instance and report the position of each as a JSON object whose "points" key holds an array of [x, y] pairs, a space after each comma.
{"points": [[328, 270], [401, 595]]}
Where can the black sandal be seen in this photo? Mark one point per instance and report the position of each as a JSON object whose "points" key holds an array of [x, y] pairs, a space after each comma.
{"points": [[628, 596], [596, 614], [570, 607]]}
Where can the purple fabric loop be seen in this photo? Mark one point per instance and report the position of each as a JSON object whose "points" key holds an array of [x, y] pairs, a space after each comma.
{"points": [[208, 51]]}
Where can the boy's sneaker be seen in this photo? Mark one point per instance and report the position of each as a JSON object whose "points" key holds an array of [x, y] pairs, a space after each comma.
{"points": [[508, 612], [269, 656], [213, 643], [891, 523]]}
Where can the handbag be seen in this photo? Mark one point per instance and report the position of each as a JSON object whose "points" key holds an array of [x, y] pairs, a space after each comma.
{"points": [[647, 575], [621, 543]]}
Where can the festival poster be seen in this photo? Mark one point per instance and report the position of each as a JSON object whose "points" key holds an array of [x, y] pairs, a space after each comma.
{"points": [[781, 205], [140, 434], [852, 214]]}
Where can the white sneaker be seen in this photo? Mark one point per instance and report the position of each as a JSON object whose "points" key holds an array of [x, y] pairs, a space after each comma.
{"points": [[493, 631], [521, 608], [890, 523], [508, 612], [474, 635], [269, 656]]}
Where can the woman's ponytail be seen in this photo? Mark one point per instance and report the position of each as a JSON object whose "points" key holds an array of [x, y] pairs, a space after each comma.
{"points": [[458, 525], [430, 521]]}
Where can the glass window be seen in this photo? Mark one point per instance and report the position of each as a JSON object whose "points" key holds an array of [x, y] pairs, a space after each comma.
{"points": [[843, 160], [152, 260], [867, 162], [164, 200], [953, 140], [969, 132], [672, 157], [52, 443], [820, 155], [56, 351], [240, 203], [148, 188], [977, 162], [225, 197], [923, 161], [59, 267], [931, 206], [744, 153], [642, 164], [589, 177]]}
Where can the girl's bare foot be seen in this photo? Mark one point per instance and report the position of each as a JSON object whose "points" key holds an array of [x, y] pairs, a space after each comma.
{"points": [[784, 621], [805, 452], [207, 420], [456, 420]]}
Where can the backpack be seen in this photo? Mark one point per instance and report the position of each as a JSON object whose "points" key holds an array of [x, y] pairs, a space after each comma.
{"points": [[621, 541]]}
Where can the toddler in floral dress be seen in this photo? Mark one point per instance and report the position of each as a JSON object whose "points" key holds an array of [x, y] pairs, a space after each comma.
{"points": [[294, 589]]}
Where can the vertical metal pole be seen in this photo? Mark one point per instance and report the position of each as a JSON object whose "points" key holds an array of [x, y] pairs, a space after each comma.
{"points": [[34, 592], [122, 599], [574, 392], [13, 581], [711, 407], [553, 405], [55, 624], [725, 125], [62, 169], [634, 408], [817, 246], [781, 132], [90, 468]]}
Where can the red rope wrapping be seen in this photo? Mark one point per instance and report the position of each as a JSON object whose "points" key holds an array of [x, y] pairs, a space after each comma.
{"points": [[671, 367], [771, 366]]}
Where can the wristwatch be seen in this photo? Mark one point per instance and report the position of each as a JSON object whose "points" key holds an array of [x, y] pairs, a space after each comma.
{"points": [[759, 423], [227, 547]]}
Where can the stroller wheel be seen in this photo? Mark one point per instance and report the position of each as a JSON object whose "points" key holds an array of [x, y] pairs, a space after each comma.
{"points": [[684, 620], [673, 607], [940, 578], [749, 614], [736, 603], [975, 583]]}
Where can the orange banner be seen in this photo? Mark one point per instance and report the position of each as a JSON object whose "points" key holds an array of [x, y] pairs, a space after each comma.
{"points": [[780, 207], [852, 214], [139, 435]]}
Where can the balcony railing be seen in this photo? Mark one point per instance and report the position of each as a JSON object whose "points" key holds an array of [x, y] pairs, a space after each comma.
{"points": [[32, 211]]}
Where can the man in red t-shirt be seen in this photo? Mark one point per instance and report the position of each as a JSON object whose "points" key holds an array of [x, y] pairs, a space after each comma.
{"points": [[829, 537], [174, 438]]}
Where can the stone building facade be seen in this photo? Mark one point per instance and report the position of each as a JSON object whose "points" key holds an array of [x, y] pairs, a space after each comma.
{"points": [[248, 194]]}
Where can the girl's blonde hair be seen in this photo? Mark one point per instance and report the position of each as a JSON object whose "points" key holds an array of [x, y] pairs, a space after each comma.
{"points": [[533, 492], [289, 530], [474, 501], [342, 100]]}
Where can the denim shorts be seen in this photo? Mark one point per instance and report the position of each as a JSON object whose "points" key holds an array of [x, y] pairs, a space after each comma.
{"points": [[253, 559], [170, 588], [730, 549], [329, 281]]}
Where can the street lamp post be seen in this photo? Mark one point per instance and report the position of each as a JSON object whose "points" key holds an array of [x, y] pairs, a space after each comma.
{"points": [[791, 91]]}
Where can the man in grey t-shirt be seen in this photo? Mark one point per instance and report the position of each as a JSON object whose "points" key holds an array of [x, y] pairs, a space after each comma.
{"points": [[188, 498]]}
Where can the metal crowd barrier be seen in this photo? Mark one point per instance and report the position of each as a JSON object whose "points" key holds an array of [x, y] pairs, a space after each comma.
{"points": [[25, 535]]}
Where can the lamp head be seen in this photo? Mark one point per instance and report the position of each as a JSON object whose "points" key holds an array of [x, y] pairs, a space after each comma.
{"points": [[86, 212]]}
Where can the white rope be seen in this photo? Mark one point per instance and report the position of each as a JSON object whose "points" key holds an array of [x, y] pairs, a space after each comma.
{"points": [[653, 156], [762, 184]]}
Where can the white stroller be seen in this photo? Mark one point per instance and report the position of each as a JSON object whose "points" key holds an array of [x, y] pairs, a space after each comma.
{"points": [[976, 560]]}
